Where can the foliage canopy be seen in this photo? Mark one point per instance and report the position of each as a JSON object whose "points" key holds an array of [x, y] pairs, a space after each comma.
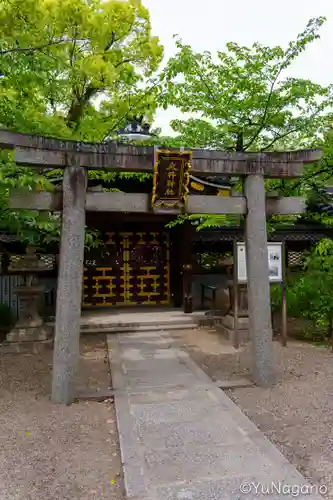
{"points": [[70, 69], [75, 69], [243, 99]]}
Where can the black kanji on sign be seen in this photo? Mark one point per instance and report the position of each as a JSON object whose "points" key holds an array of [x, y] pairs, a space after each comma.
{"points": [[171, 178]]}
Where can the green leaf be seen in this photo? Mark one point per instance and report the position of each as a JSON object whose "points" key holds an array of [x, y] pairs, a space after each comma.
{"points": [[72, 70]]}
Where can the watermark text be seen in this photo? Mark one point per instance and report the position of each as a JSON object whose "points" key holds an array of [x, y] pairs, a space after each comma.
{"points": [[280, 488]]}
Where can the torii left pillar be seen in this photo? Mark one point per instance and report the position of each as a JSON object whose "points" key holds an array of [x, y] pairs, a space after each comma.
{"points": [[69, 293]]}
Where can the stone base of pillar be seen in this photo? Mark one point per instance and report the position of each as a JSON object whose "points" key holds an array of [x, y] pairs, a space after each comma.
{"points": [[227, 328], [28, 340], [227, 323], [26, 347], [29, 333]]}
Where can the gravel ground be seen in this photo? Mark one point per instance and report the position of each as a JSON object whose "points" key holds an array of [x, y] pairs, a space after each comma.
{"points": [[297, 414], [57, 452], [214, 354]]}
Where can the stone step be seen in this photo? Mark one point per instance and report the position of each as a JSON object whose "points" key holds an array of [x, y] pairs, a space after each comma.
{"points": [[140, 328], [146, 326]]}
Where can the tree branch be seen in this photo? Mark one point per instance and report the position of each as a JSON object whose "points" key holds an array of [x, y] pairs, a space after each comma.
{"points": [[111, 42], [72, 52], [297, 129], [34, 49], [282, 136], [327, 169], [284, 64], [240, 141], [263, 120], [76, 109]]}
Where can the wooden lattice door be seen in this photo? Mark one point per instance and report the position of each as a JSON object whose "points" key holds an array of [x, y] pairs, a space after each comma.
{"points": [[135, 271]]}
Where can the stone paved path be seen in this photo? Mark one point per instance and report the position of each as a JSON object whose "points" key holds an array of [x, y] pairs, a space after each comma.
{"points": [[182, 438]]}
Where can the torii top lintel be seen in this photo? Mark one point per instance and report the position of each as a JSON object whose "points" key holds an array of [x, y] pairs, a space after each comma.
{"points": [[40, 151]]}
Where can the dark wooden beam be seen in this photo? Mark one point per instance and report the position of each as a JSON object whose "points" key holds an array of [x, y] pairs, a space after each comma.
{"points": [[40, 151], [140, 203]]}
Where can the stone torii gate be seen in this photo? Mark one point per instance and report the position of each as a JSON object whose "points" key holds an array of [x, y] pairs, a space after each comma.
{"points": [[75, 158]]}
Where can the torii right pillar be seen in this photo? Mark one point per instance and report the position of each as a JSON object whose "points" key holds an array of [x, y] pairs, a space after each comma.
{"points": [[259, 300]]}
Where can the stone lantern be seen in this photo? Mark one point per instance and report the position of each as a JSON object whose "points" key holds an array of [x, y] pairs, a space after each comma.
{"points": [[30, 333]]}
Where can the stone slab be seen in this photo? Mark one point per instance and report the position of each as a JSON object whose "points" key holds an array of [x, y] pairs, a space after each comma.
{"points": [[209, 461], [183, 410], [173, 434], [157, 353], [176, 393], [142, 336], [182, 438], [163, 366], [179, 411], [145, 382], [163, 374], [148, 343]]}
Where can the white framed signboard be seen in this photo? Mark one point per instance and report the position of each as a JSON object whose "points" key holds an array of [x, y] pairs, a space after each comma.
{"points": [[274, 262]]}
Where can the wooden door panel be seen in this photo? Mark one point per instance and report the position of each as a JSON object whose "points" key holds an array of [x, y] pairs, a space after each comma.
{"points": [[133, 269]]}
